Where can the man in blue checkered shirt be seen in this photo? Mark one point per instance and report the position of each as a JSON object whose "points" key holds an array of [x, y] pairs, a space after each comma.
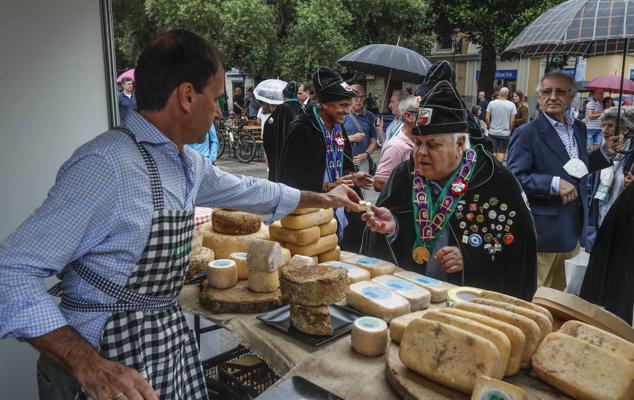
{"points": [[101, 211]]}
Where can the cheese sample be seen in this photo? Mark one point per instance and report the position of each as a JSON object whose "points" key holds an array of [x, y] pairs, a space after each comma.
{"points": [[500, 340], [364, 206], [398, 325], [264, 255], [332, 255], [545, 326], [487, 294], [223, 244], [355, 274], [307, 220], [312, 320], [235, 222], [438, 289], [328, 228], [263, 281], [513, 333], [375, 266], [369, 336], [417, 296], [322, 245], [489, 388], [448, 355], [313, 285], [302, 211], [461, 293], [300, 237], [222, 274], [199, 260], [583, 370], [240, 258], [599, 337], [529, 327], [377, 301]]}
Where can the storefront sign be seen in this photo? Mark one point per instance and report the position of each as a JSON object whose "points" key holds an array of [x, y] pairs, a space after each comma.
{"points": [[509, 74]]}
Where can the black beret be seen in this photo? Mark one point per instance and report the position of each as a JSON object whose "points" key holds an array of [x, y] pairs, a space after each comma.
{"points": [[441, 111], [330, 86]]}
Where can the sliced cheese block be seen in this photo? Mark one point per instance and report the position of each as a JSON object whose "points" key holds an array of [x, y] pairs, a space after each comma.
{"points": [[286, 253], [583, 370], [494, 389], [223, 245], [448, 355], [312, 320], [369, 336], [307, 220], [264, 255], [377, 301], [235, 222], [322, 245], [437, 288], [487, 294], [418, 297], [199, 260], [302, 211], [398, 325], [528, 326], [332, 255], [222, 274], [545, 326], [500, 340], [515, 335], [462, 293], [313, 285], [375, 266], [599, 337], [355, 274], [240, 258], [263, 281], [300, 237], [328, 228]]}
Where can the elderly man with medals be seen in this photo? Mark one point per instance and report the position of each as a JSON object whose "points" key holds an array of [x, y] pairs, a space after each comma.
{"points": [[452, 212]]}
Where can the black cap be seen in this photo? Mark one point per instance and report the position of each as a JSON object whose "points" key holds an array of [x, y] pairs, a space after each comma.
{"points": [[439, 71], [330, 86], [441, 111], [290, 91]]}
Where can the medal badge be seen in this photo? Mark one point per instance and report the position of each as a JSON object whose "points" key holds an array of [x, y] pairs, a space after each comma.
{"points": [[458, 187], [421, 255], [339, 141]]}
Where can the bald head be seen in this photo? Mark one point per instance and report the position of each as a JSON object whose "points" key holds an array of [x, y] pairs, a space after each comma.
{"points": [[504, 93]]}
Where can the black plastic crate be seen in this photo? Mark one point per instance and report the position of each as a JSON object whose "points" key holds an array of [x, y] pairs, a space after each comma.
{"points": [[237, 374]]}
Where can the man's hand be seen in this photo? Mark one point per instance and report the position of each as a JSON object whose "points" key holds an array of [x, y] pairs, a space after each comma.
{"points": [[628, 179], [380, 220], [450, 259], [340, 196], [359, 158], [567, 191], [614, 144], [357, 137], [363, 180]]}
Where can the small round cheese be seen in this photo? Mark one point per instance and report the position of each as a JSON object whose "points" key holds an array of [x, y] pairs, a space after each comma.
{"points": [[369, 336], [462, 293], [263, 281], [240, 258], [222, 274]]}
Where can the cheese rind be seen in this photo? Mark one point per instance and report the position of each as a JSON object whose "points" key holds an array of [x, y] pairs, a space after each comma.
{"points": [[240, 258], [232, 222], [265, 255], [263, 281], [417, 296], [599, 337], [307, 220], [490, 388], [545, 326], [312, 320], [355, 274], [369, 336], [446, 354], [373, 265], [438, 289], [322, 245], [583, 370], [328, 228], [222, 274], [313, 285], [377, 301], [199, 260], [300, 237], [331, 255], [223, 244], [487, 294]]}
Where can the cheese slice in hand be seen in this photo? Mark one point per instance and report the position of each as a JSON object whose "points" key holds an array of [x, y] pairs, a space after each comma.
{"points": [[355, 274], [377, 301], [437, 288], [418, 297]]}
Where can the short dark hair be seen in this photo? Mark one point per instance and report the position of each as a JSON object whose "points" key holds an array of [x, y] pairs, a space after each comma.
{"points": [[126, 80], [170, 59], [308, 87]]}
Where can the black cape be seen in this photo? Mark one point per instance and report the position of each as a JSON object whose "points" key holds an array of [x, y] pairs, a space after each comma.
{"points": [[513, 270], [609, 279], [275, 131]]}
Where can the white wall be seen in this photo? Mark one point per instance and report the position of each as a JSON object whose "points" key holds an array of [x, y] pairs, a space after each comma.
{"points": [[53, 99]]}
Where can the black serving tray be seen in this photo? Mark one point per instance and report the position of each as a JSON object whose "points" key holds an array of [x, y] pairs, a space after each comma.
{"points": [[297, 387], [341, 318]]}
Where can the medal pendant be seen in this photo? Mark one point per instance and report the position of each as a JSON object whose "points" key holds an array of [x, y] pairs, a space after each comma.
{"points": [[420, 255]]}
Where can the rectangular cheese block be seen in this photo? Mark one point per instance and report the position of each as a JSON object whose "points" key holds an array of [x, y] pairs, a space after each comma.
{"points": [[438, 289], [599, 337], [307, 220], [448, 355], [302, 211], [322, 245], [545, 326], [487, 294], [417, 296], [373, 265], [330, 255], [328, 228], [355, 274], [398, 325], [300, 237], [490, 388], [377, 301], [583, 370]]}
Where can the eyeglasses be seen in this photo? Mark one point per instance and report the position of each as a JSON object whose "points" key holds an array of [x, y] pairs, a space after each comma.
{"points": [[558, 92]]}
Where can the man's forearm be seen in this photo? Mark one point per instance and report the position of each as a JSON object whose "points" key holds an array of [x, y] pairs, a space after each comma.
{"points": [[379, 183], [371, 147]]}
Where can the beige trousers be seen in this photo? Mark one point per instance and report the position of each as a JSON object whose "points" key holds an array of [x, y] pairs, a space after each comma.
{"points": [[550, 268]]}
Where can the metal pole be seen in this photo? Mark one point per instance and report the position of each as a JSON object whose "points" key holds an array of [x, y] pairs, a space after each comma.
{"points": [[618, 113], [387, 84]]}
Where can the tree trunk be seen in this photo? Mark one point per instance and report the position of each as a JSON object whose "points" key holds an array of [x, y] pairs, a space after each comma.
{"points": [[488, 64]]}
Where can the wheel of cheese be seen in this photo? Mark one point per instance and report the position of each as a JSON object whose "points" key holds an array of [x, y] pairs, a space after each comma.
{"points": [[313, 285], [487, 294], [599, 337], [369, 336], [235, 222], [222, 274], [223, 245], [461, 293], [355, 274], [324, 244], [307, 220], [312, 320], [328, 228], [437, 288], [198, 260], [331, 255], [301, 237], [240, 258], [263, 281], [417, 296], [489, 388], [377, 301]]}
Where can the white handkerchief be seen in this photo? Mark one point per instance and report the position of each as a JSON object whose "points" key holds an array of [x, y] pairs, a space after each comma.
{"points": [[576, 168]]}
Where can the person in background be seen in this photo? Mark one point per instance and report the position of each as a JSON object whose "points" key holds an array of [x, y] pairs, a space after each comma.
{"points": [[627, 101], [223, 104], [126, 98], [238, 101], [500, 118], [394, 128], [252, 104], [208, 145], [264, 113], [522, 109], [607, 102], [305, 94], [594, 108], [476, 111], [484, 104]]}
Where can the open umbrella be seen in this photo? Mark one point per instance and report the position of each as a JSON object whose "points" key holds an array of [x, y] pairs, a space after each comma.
{"points": [[270, 91], [127, 74], [610, 83]]}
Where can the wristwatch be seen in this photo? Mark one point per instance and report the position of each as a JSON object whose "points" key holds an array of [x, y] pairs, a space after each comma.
{"points": [[367, 154]]}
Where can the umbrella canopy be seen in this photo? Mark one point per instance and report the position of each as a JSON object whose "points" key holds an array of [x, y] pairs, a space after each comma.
{"points": [[127, 74], [578, 28], [381, 59], [270, 91], [610, 83]]}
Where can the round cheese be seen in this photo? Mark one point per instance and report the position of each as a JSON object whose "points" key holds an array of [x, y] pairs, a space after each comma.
{"points": [[462, 293], [222, 274], [313, 285], [369, 336], [235, 222], [240, 258], [263, 281], [198, 260], [223, 244], [331, 255]]}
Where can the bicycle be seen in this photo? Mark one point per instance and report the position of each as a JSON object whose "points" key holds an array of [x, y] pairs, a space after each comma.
{"points": [[243, 144]]}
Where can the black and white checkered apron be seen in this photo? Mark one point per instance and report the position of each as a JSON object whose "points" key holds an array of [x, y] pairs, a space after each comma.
{"points": [[146, 329]]}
